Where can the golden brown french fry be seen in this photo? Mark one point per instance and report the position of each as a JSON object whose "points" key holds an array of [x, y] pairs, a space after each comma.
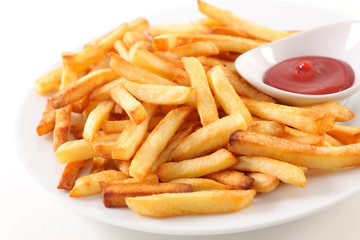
{"points": [[340, 112], [227, 30], [104, 148], [99, 164], [156, 142], [250, 143], [95, 118], [208, 138], [114, 126], [263, 183], [164, 42], [70, 174], [132, 136], [121, 49], [202, 202], [174, 141], [123, 166], [47, 121], [286, 172], [154, 121], [197, 167], [159, 66], [205, 101], [102, 64], [103, 93], [345, 134], [151, 178], [207, 22], [178, 29], [202, 184], [62, 126], [158, 94], [131, 37], [114, 195], [81, 105], [194, 49], [75, 150], [135, 73], [311, 121], [79, 89], [228, 18], [226, 95], [233, 179], [267, 127], [89, 184], [49, 82], [129, 103], [211, 61]]}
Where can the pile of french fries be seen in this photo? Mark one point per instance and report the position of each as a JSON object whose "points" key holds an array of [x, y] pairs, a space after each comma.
{"points": [[167, 126]]}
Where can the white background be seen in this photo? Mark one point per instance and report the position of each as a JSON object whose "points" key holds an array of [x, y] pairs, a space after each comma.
{"points": [[33, 33]]}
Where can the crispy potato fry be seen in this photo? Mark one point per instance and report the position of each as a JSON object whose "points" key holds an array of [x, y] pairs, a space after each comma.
{"points": [[212, 61], [89, 184], [114, 195], [202, 202], [95, 118], [286, 172], [208, 138], [230, 19], [121, 49], [194, 49], [263, 183], [311, 121], [49, 82], [104, 148], [75, 150], [103, 93], [156, 142], [79, 89], [81, 105], [201, 184], [205, 101], [267, 127], [70, 174], [47, 121], [62, 126], [159, 66], [151, 178], [135, 73], [164, 42], [196, 167], [345, 134], [227, 30], [249, 143], [129, 103], [178, 29], [233, 179], [123, 166], [102, 64], [132, 136], [226, 95], [114, 126], [340, 113], [99, 164], [132, 37], [158, 94]]}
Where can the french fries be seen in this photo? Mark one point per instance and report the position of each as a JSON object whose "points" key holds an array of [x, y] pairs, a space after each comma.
{"points": [[165, 126]]}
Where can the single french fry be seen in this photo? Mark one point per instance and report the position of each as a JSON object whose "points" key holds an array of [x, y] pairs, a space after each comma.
{"points": [[233, 179], [95, 118], [164, 42], [311, 139], [81, 105], [102, 64], [228, 18], [205, 101], [226, 30], [250, 143], [103, 93], [70, 174], [75, 150], [159, 66], [267, 127], [202, 184], [89, 184], [62, 126], [99, 164], [263, 183], [131, 37], [49, 82], [114, 195], [345, 134], [202, 202], [47, 121], [151, 178], [340, 113], [104, 148], [123, 166], [311, 121], [114, 126], [207, 22], [121, 49], [178, 29], [174, 141], [156, 142], [79, 89], [135, 73], [286, 172], [129, 103], [194, 49], [208, 138], [158, 94], [212, 61], [196, 167], [132, 136], [226, 95]]}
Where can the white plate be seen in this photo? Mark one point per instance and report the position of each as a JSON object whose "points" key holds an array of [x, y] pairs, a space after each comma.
{"points": [[285, 204]]}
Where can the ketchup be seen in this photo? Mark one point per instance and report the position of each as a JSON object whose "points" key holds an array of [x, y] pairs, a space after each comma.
{"points": [[310, 75]]}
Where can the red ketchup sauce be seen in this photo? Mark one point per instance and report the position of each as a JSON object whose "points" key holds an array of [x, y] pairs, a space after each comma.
{"points": [[311, 75]]}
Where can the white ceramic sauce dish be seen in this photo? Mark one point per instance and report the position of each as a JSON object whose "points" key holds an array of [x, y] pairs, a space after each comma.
{"points": [[340, 41]]}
